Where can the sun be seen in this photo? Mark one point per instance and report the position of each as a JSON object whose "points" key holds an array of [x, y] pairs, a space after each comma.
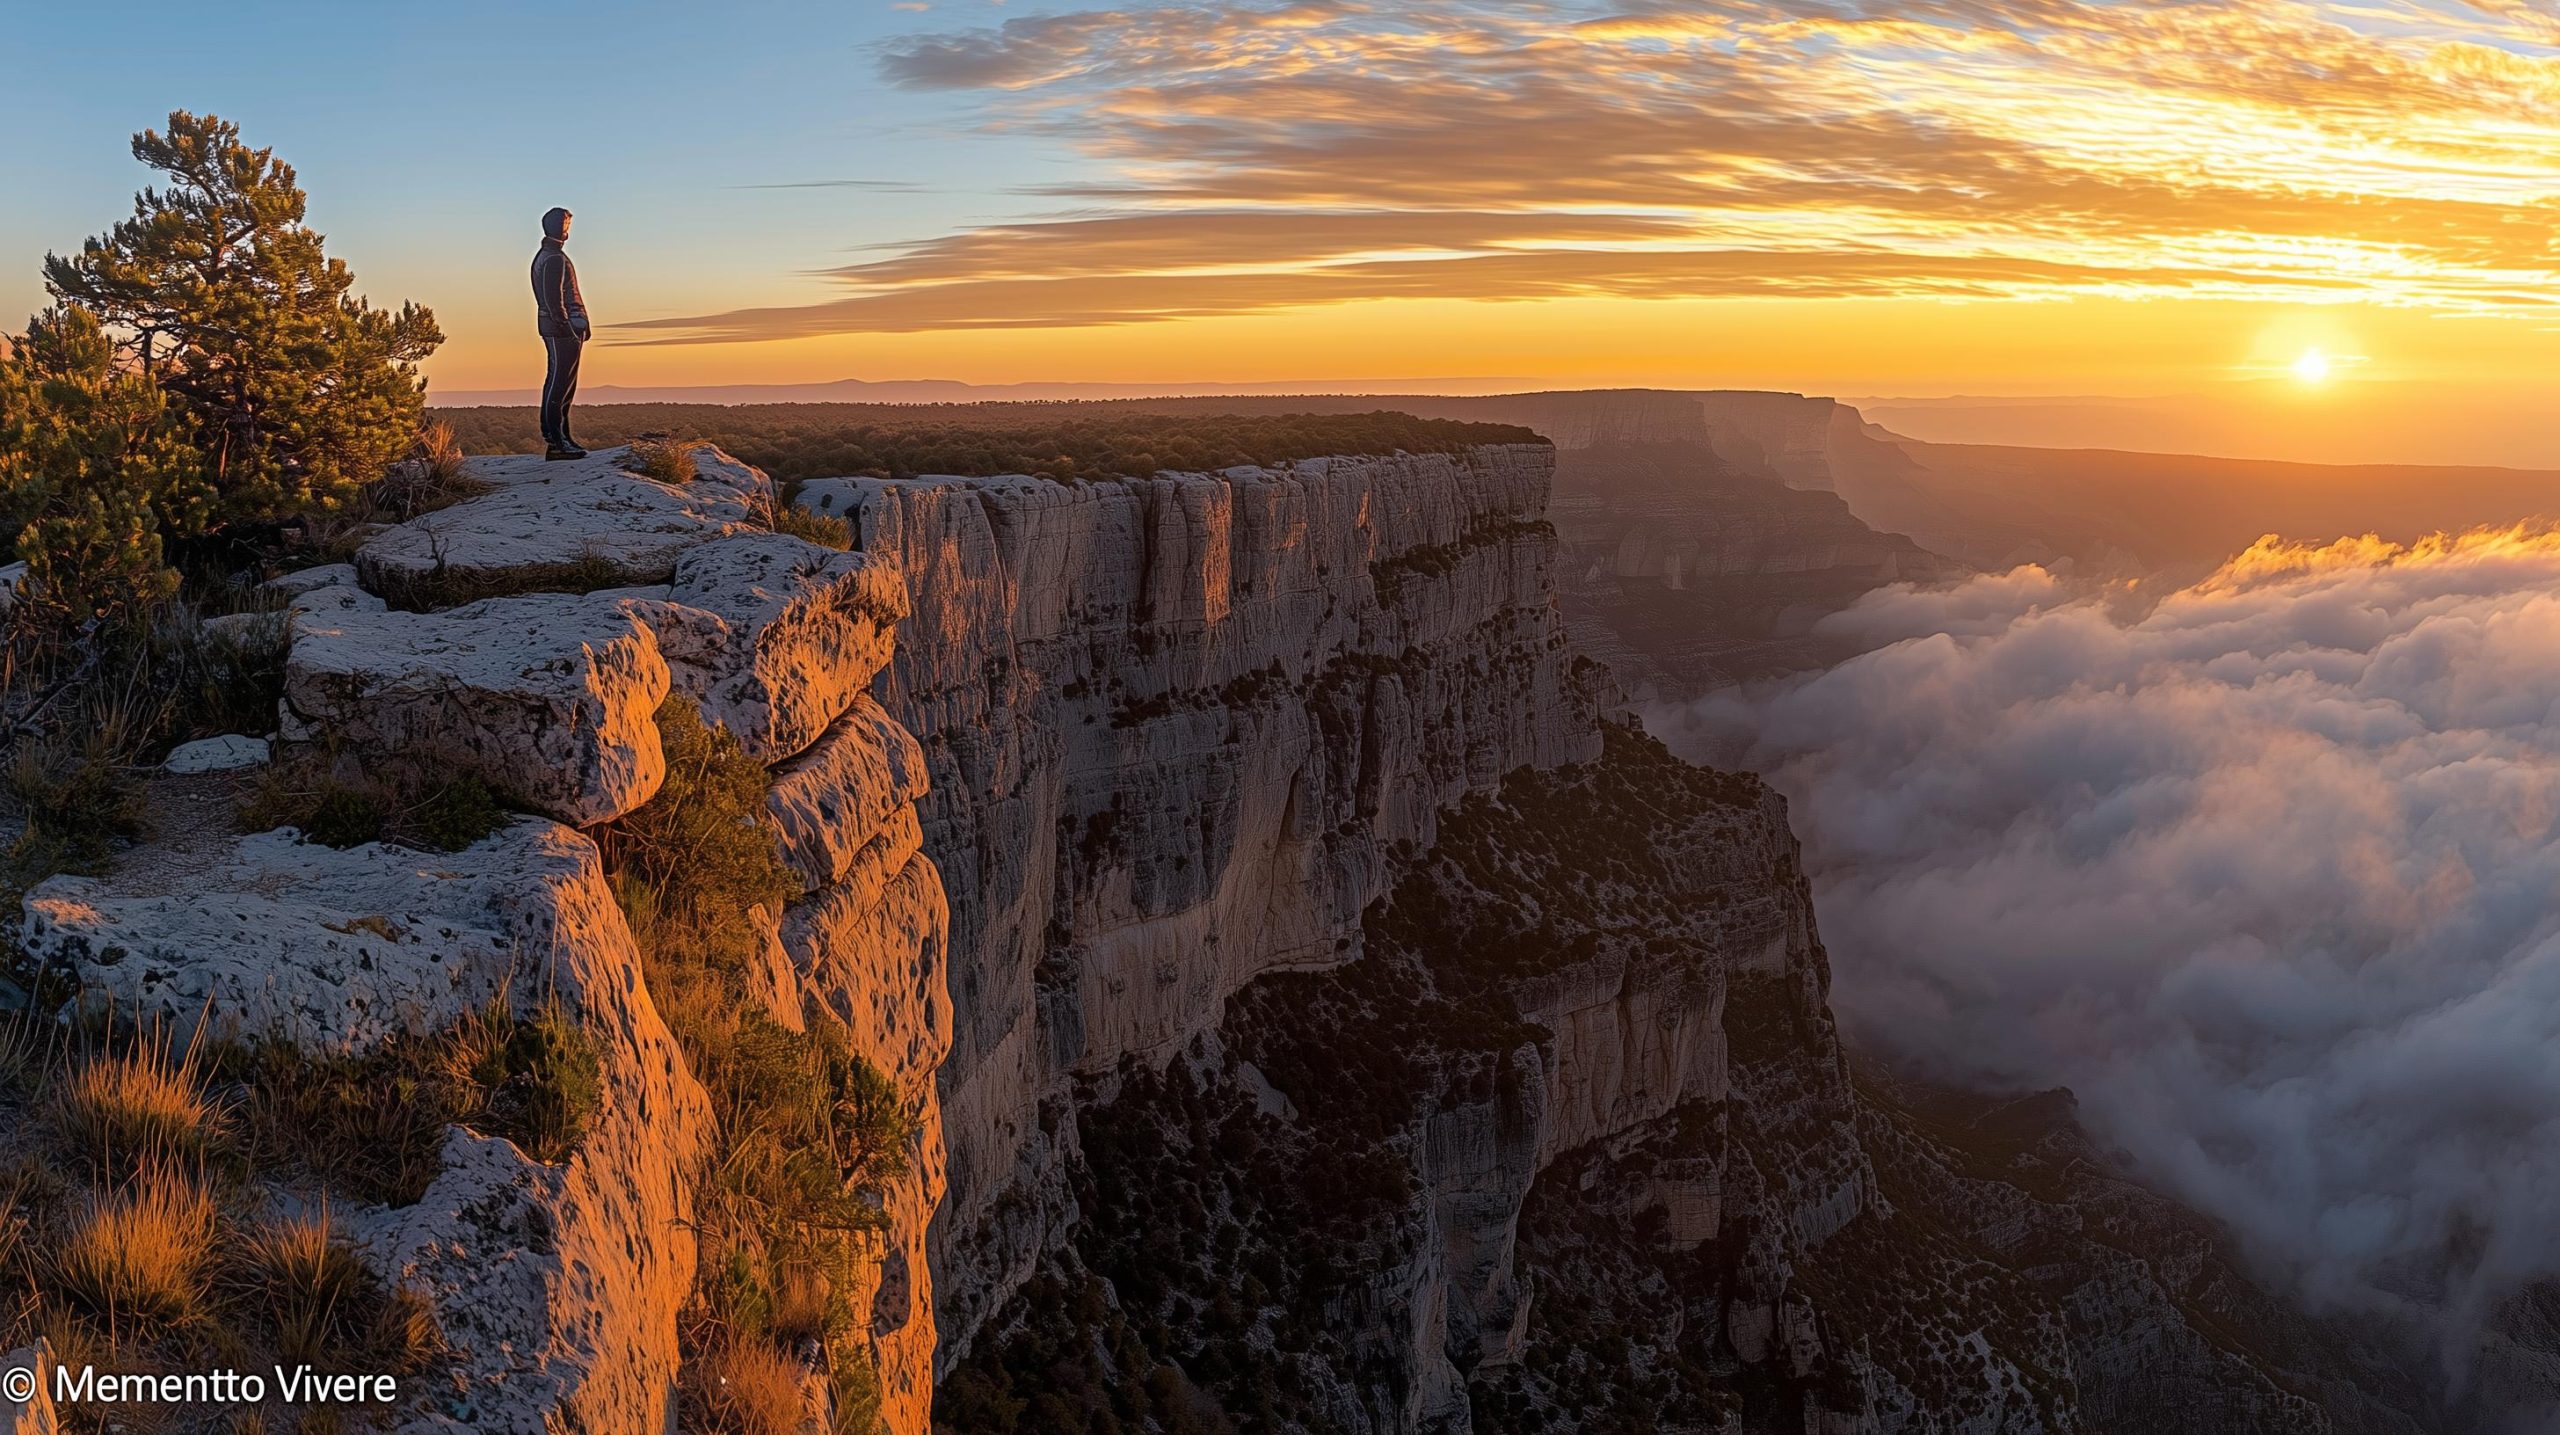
{"points": [[2312, 367]]}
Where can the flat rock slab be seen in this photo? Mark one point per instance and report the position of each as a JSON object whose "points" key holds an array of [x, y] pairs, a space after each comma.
{"points": [[331, 949], [306, 580], [583, 523], [550, 698]]}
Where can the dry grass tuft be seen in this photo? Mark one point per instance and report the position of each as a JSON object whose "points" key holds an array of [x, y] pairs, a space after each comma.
{"points": [[803, 1302], [142, 1103], [429, 478], [745, 1388], [26, 1048], [303, 1282], [137, 1255], [783, 513], [668, 460], [80, 793]]}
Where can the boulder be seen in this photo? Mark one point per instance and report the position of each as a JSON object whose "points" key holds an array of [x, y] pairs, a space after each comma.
{"points": [[550, 698]]}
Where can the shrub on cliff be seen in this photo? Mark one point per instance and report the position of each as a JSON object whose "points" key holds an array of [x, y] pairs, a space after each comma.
{"points": [[294, 391], [806, 1125], [93, 468]]}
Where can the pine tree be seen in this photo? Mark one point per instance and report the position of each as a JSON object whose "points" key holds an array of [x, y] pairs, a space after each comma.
{"points": [[93, 466], [294, 391]]}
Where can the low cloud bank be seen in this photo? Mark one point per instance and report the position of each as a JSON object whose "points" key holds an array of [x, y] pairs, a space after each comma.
{"points": [[2266, 869]]}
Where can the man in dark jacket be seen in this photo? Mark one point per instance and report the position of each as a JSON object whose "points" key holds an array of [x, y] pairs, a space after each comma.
{"points": [[562, 315]]}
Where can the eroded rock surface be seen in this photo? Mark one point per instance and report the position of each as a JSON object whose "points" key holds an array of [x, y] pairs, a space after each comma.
{"points": [[550, 698], [556, 1287], [589, 518], [327, 949], [1173, 728], [802, 630], [559, 1286]]}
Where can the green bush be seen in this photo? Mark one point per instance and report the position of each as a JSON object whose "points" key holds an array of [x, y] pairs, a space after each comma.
{"points": [[543, 1078], [805, 1124], [93, 470], [698, 844]]}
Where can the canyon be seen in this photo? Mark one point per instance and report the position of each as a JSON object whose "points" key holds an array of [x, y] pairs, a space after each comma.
{"points": [[1315, 1002]]}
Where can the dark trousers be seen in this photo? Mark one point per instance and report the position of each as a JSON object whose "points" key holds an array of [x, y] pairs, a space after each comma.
{"points": [[559, 386]]}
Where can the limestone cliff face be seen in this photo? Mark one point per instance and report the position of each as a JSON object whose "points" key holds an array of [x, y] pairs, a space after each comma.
{"points": [[1706, 532], [1573, 1147], [1174, 728]]}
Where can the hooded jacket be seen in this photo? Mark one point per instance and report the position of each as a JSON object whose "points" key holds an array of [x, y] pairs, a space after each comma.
{"points": [[560, 310]]}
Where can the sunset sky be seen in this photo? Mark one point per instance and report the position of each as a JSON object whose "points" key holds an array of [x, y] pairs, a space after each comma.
{"points": [[1845, 196]]}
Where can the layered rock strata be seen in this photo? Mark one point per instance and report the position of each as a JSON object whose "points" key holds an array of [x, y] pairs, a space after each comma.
{"points": [[1174, 728]]}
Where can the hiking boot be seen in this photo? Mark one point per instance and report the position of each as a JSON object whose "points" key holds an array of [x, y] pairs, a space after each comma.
{"points": [[563, 450]]}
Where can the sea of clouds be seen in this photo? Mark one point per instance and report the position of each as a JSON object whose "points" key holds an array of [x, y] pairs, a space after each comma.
{"points": [[2266, 869]]}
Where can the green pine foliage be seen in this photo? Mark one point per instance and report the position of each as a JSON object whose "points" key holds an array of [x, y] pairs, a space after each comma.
{"points": [[93, 468], [294, 390]]}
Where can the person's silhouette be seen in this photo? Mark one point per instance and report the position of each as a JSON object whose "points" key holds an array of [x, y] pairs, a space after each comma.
{"points": [[562, 315]]}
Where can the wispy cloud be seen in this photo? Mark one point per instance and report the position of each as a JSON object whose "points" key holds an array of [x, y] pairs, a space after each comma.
{"points": [[2406, 151]]}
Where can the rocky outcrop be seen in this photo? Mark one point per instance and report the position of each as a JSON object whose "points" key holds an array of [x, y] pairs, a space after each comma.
{"points": [[776, 637], [556, 1287], [1174, 728], [328, 949], [542, 524], [1706, 532], [1573, 1146], [1687, 569], [559, 1286], [549, 697]]}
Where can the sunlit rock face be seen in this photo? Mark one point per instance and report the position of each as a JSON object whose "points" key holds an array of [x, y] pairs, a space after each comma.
{"points": [[559, 1287], [1174, 728]]}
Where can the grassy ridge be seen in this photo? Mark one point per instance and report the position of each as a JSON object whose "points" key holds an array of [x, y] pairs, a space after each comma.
{"points": [[1068, 441]]}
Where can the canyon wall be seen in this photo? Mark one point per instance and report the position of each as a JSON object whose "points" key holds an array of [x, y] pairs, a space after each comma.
{"points": [[1706, 533], [1310, 1008], [1175, 727]]}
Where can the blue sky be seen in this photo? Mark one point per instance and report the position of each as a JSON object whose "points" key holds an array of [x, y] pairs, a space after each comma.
{"points": [[431, 137]]}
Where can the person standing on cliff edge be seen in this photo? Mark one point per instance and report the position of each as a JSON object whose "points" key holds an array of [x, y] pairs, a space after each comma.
{"points": [[562, 318]]}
